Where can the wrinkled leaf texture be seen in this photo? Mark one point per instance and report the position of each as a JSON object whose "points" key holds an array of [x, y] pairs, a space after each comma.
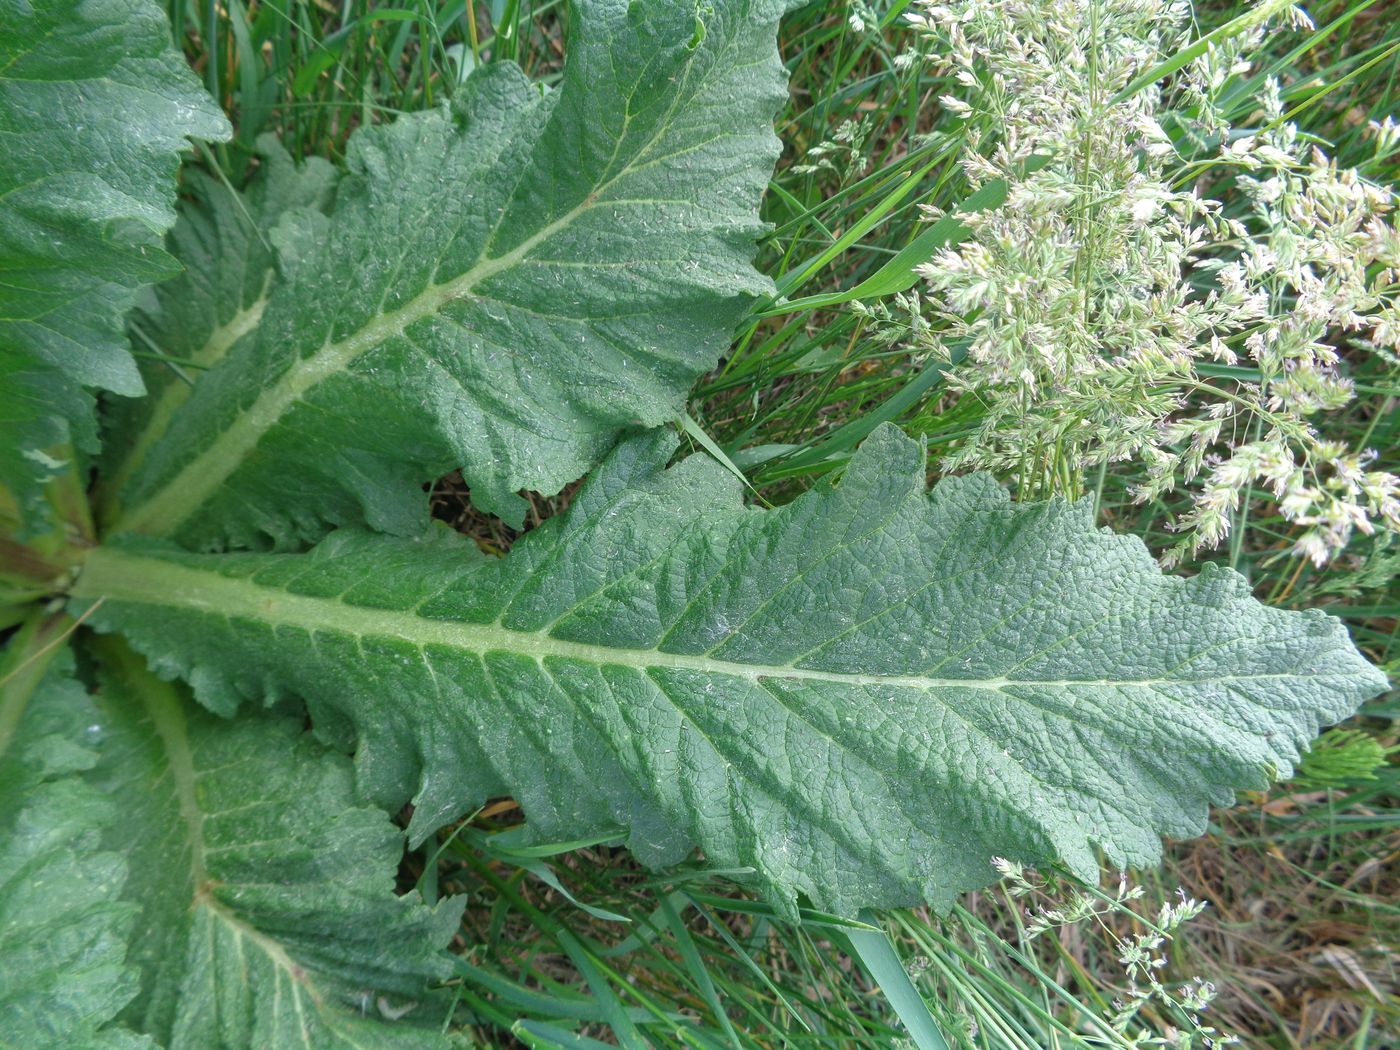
{"points": [[267, 910], [169, 878], [502, 288], [95, 107], [63, 924], [863, 696], [224, 240]]}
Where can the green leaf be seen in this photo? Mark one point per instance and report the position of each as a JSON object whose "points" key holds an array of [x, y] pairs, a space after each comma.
{"points": [[864, 696], [501, 288], [63, 927], [224, 241], [95, 107], [266, 894]]}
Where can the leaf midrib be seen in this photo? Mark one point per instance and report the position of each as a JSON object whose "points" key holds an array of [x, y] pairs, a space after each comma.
{"points": [[167, 718], [183, 494], [190, 488], [175, 393], [121, 576]]}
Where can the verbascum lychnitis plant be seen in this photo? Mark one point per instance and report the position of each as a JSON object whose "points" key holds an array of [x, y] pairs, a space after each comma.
{"points": [[860, 699]]}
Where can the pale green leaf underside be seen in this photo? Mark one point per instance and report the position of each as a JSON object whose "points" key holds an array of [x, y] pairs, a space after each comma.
{"points": [[95, 108], [500, 289], [63, 926], [865, 696], [267, 911]]}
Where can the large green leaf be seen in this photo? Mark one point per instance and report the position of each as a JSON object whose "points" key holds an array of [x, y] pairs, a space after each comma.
{"points": [[865, 696], [500, 288], [63, 926], [267, 912], [224, 241], [95, 107]]}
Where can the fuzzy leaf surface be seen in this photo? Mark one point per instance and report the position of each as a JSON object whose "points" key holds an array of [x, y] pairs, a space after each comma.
{"points": [[501, 288], [95, 107], [267, 911], [864, 696], [63, 925], [223, 239]]}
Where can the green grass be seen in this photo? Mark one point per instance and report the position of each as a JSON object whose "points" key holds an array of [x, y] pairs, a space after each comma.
{"points": [[577, 946]]}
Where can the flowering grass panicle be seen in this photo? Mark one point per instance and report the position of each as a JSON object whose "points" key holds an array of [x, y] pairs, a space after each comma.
{"points": [[1111, 310], [1049, 904]]}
